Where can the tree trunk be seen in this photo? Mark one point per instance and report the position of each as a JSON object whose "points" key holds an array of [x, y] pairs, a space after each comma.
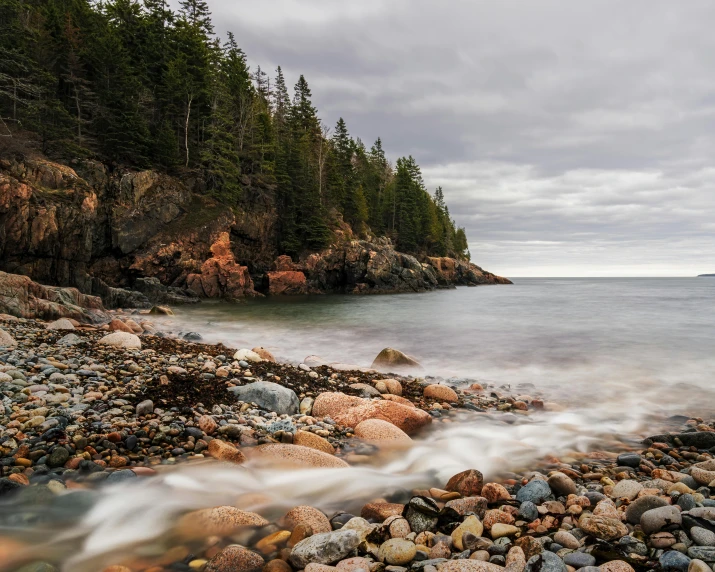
{"points": [[186, 127]]}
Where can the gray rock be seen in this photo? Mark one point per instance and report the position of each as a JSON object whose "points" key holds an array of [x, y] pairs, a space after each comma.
{"points": [[627, 489], [37, 567], [69, 340], [674, 561], [58, 457], [702, 536], [123, 340], [545, 562], [528, 511], [629, 460], [536, 491], [686, 502], [326, 548], [562, 484], [657, 518], [268, 395], [121, 476], [145, 408], [579, 560], [640, 506], [61, 324], [704, 553]]}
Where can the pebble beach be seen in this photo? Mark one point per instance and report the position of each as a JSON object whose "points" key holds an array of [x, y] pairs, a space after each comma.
{"points": [[90, 413]]}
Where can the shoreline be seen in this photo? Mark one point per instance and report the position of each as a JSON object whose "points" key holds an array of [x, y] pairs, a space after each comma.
{"points": [[77, 418]]}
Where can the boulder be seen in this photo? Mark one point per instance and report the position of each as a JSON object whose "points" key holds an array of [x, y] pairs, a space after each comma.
{"points": [[61, 324], [6, 340], [295, 456], [382, 432], [247, 355], [235, 558], [409, 419], [268, 395], [391, 359], [264, 354], [286, 283], [330, 404], [122, 340], [326, 548], [441, 393]]}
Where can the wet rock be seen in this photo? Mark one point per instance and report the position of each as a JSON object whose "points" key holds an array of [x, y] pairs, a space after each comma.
{"points": [[235, 558], [268, 395], [223, 451], [528, 511], [58, 457], [409, 419], [264, 354], [704, 473], [495, 492], [627, 489], [122, 340], [392, 359], [472, 525], [579, 560], [602, 527], [629, 460], [397, 551], [422, 513], [308, 516], [331, 404], [379, 511], [467, 483], [296, 456], [561, 484], [674, 561], [545, 562], [467, 505], [536, 491], [658, 518], [640, 506], [379, 431], [144, 408], [468, 566], [217, 521], [441, 393], [326, 548], [308, 439], [247, 355]]}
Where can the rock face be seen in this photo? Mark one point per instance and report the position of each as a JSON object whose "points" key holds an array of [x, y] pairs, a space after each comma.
{"points": [[21, 297], [137, 238]]}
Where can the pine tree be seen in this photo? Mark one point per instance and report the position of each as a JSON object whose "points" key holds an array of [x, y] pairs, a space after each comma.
{"points": [[197, 13]]}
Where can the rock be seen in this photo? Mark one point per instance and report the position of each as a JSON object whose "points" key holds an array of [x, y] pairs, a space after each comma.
{"points": [[58, 457], [470, 524], [223, 451], [61, 324], [579, 560], [566, 539], [68, 340], [221, 276], [122, 340], [626, 489], [698, 566], [391, 359], [235, 558], [494, 492], [674, 561], [409, 419], [264, 354], [379, 431], [247, 355], [528, 511], [118, 326], [331, 404], [286, 283], [641, 505], [207, 424], [702, 536], [308, 439], [469, 566], [602, 527], [441, 393], [616, 566], [561, 484], [356, 564], [268, 395], [295, 456], [379, 511], [308, 516], [144, 408], [467, 483], [545, 562], [6, 340], [657, 518], [500, 530], [535, 491], [397, 551], [467, 505], [161, 311], [326, 548], [365, 390], [629, 460], [393, 386], [217, 521], [704, 553]]}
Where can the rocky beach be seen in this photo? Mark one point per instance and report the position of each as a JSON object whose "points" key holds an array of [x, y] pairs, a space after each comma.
{"points": [[128, 447]]}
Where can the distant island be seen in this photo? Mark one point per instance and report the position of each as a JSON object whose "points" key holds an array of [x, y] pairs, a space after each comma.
{"points": [[706, 275]]}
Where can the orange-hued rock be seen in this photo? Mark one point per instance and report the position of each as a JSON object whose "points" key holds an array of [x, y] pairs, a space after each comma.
{"points": [[441, 393], [235, 558], [380, 511], [393, 386], [286, 283], [494, 492], [467, 483], [207, 424], [409, 419], [379, 431], [216, 521], [308, 439], [391, 359], [264, 354], [332, 403], [398, 399], [221, 276], [223, 451], [295, 456], [308, 517], [117, 325]]}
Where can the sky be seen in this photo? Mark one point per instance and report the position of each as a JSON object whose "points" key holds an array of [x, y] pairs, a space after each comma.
{"points": [[570, 138]]}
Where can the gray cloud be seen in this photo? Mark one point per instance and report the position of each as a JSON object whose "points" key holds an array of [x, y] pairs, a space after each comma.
{"points": [[571, 138]]}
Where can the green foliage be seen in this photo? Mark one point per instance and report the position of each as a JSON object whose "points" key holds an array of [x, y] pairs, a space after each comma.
{"points": [[134, 82]]}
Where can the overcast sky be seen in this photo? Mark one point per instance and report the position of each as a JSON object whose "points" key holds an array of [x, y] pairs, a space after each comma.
{"points": [[571, 138]]}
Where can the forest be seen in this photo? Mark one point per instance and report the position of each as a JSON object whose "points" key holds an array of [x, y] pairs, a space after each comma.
{"points": [[138, 85]]}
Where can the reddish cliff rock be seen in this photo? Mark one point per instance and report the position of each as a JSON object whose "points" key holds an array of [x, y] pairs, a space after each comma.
{"points": [[286, 282], [221, 276]]}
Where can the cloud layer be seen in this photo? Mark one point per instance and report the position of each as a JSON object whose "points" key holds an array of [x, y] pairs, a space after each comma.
{"points": [[571, 138]]}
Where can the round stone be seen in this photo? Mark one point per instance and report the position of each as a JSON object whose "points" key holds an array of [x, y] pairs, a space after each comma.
{"points": [[397, 551], [674, 561]]}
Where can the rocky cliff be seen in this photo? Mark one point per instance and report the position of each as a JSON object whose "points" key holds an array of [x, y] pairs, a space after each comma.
{"points": [[137, 237]]}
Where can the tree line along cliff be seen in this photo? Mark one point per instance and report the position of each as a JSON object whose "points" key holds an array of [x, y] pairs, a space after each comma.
{"points": [[138, 151], [137, 84]]}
